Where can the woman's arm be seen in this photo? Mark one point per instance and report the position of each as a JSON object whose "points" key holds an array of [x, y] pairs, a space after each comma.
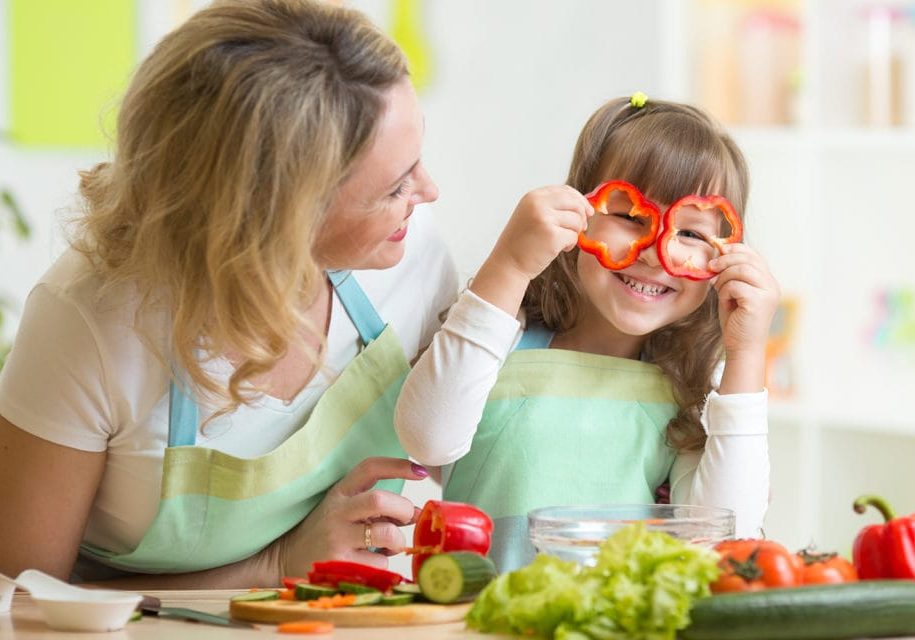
{"points": [[733, 469], [46, 491]]}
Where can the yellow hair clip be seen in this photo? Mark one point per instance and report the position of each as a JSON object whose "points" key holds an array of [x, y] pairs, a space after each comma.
{"points": [[638, 99]]}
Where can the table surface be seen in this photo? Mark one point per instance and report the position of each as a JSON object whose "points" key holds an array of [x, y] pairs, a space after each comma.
{"points": [[25, 622]]}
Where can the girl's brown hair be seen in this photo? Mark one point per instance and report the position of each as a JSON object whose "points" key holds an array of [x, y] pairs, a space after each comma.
{"points": [[231, 139], [668, 150]]}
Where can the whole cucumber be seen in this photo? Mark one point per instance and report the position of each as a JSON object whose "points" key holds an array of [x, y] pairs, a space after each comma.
{"points": [[866, 609]]}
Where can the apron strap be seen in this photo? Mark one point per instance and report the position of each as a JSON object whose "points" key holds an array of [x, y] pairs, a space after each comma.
{"points": [[536, 336], [358, 307], [183, 417]]}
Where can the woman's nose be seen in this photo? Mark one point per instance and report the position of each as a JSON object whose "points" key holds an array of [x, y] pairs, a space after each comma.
{"points": [[426, 189]]}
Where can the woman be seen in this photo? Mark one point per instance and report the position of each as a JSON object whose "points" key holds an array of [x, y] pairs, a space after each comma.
{"points": [[201, 392]]}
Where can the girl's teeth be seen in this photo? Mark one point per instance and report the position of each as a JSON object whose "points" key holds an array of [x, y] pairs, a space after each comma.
{"points": [[643, 288]]}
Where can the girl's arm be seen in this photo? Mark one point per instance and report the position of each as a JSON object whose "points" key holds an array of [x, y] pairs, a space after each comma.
{"points": [[442, 400], [443, 397], [733, 470]]}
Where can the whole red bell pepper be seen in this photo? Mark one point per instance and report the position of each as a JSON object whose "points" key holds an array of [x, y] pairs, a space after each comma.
{"points": [[669, 231], [642, 207], [333, 572], [884, 550], [449, 526]]}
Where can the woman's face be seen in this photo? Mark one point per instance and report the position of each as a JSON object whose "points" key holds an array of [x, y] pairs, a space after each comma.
{"points": [[367, 220]]}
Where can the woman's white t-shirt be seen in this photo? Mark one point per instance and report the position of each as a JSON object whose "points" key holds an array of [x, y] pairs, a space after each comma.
{"points": [[79, 375]]}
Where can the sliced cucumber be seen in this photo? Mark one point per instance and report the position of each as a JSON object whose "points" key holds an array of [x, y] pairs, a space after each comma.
{"points": [[397, 600], [456, 576], [365, 599], [354, 587], [305, 591], [257, 596], [407, 587]]}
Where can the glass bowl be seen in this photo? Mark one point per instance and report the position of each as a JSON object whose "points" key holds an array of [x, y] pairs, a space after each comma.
{"points": [[574, 532]]}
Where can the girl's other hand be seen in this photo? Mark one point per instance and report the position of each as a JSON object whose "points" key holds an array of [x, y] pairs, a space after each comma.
{"points": [[748, 296], [546, 222], [336, 528]]}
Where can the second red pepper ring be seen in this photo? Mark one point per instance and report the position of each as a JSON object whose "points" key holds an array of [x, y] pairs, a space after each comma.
{"points": [[693, 230], [449, 526]]}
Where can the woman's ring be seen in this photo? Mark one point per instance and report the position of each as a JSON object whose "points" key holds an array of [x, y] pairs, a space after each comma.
{"points": [[367, 535]]}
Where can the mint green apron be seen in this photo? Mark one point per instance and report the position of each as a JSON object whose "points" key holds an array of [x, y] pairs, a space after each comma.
{"points": [[216, 509], [563, 428]]}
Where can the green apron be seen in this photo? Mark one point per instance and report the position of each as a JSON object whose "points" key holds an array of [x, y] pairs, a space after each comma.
{"points": [[563, 428], [217, 509]]}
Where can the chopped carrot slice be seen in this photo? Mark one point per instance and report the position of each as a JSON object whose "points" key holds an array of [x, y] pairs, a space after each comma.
{"points": [[332, 602], [287, 594], [306, 626]]}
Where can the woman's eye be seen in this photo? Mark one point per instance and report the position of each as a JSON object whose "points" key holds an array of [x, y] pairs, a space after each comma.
{"points": [[401, 190]]}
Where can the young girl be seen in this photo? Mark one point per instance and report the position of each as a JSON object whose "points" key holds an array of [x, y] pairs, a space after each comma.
{"points": [[608, 382]]}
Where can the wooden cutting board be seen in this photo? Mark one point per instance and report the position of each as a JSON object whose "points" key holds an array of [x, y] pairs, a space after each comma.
{"points": [[275, 611]]}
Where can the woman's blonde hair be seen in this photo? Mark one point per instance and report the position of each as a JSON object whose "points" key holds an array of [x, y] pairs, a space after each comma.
{"points": [[231, 139], [668, 150]]}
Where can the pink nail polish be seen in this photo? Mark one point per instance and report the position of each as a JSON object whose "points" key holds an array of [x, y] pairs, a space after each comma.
{"points": [[419, 470]]}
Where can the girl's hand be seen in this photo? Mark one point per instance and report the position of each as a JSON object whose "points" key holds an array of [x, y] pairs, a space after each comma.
{"points": [[546, 222], [336, 528], [748, 296]]}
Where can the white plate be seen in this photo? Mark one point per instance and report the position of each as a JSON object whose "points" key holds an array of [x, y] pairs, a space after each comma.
{"points": [[69, 608]]}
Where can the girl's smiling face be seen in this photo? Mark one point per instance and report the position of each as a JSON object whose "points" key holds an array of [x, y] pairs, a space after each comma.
{"points": [[367, 219], [622, 308]]}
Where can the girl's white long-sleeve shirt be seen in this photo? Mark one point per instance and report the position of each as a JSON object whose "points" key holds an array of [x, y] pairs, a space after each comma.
{"points": [[443, 398]]}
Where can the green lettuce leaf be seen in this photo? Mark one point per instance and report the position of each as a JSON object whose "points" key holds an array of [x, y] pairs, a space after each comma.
{"points": [[642, 586]]}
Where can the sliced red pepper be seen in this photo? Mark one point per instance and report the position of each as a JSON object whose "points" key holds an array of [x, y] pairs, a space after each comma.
{"points": [[669, 231], [641, 207], [290, 582], [449, 526], [884, 550], [333, 572]]}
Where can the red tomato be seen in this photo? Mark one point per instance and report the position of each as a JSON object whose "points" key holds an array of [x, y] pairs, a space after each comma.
{"points": [[751, 565], [824, 568]]}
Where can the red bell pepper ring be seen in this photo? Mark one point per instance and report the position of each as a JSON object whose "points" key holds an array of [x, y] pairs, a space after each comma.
{"points": [[641, 207], [669, 231], [884, 550], [333, 572], [449, 526]]}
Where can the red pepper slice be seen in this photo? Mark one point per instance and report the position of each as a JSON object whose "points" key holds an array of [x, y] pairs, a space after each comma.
{"points": [[641, 207], [669, 231], [449, 526], [291, 581], [884, 550], [333, 572]]}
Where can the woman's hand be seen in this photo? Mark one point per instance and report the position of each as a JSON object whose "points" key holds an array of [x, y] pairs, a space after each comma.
{"points": [[545, 223], [748, 296], [336, 528]]}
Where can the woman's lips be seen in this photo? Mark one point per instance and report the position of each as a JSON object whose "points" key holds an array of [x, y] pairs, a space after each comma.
{"points": [[401, 233]]}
